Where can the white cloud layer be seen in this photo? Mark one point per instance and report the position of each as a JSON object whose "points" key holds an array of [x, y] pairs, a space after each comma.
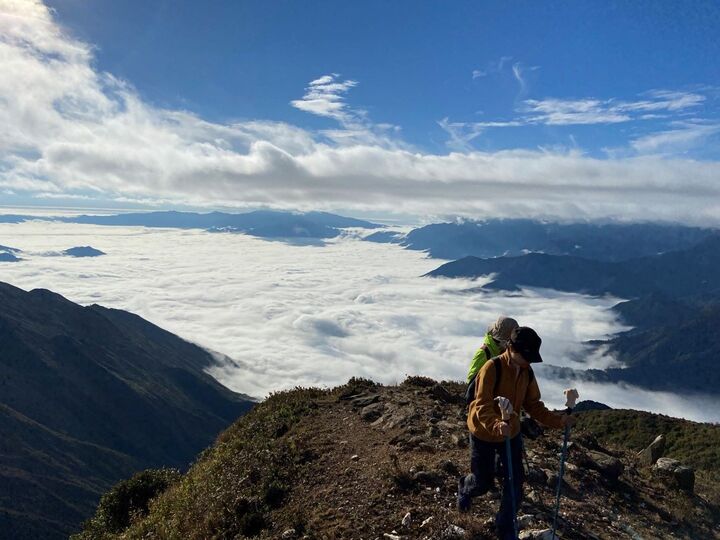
{"points": [[68, 130], [304, 315]]}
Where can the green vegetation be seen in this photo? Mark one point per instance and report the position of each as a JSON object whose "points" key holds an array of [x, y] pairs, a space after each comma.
{"points": [[235, 484], [692, 443], [127, 501]]}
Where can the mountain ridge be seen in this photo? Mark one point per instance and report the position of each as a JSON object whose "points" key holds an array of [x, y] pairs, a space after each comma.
{"points": [[370, 461]]}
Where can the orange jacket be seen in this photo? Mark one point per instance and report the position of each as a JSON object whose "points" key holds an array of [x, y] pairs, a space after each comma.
{"points": [[484, 413]]}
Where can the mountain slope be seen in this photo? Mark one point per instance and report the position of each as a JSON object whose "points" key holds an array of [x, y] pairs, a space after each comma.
{"points": [[87, 396], [354, 461]]}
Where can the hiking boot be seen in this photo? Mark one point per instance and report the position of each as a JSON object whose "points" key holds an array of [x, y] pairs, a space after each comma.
{"points": [[466, 485]]}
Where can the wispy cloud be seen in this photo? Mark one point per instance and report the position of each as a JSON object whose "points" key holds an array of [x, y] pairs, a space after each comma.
{"points": [[681, 137], [553, 111], [496, 66], [326, 96]]}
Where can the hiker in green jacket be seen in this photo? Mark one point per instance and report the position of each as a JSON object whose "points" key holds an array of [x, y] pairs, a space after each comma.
{"points": [[494, 344]]}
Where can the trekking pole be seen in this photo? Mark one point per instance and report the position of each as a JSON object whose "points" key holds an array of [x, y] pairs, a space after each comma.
{"points": [[570, 396], [506, 410]]}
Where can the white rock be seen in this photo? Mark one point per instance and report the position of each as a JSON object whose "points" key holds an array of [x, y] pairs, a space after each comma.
{"points": [[354, 457], [425, 522], [289, 533], [406, 520], [391, 536], [453, 531], [538, 534]]}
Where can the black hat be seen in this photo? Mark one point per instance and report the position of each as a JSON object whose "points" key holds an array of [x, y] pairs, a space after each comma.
{"points": [[526, 341]]}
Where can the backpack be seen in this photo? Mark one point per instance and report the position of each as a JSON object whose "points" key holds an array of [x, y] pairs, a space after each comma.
{"points": [[470, 392]]}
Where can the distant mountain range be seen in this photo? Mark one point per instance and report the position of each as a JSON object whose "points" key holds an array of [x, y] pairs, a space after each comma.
{"points": [[89, 395], [506, 237], [8, 254], [261, 223], [680, 273], [674, 308]]}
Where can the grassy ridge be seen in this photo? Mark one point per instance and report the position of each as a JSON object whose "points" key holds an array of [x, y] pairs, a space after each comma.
{"points": [[690, 442]]}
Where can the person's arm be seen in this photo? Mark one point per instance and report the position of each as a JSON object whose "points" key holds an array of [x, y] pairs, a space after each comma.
{"points": [[477, 362], [484, 411], [537, 409]]}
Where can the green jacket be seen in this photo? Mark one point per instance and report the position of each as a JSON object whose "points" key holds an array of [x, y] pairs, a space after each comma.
{"points": [[480, 357]]}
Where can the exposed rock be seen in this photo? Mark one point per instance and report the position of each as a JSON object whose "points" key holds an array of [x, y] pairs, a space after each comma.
{"points": [[537, 476], [453, 532], [289, 533], [430, 478], [459, 440], [365, 400], [608, 466], [678, 474], [426, 522], [406, 520], [538, 534], [440, 393], [653, 452], [449, 467], [372, 412], [354, 457], [525, 521]]}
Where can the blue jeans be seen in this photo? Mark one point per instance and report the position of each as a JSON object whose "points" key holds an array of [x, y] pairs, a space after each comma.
{"points": [[482, 465]]}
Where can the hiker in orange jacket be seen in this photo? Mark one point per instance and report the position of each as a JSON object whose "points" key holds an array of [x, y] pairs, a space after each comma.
{"points": [[509, 376]]}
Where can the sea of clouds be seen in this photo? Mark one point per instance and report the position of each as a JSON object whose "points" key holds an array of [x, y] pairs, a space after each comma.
{"points": [[293, 315]]}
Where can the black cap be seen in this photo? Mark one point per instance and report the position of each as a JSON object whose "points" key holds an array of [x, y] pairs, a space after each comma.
{"points": [[526, 341]]}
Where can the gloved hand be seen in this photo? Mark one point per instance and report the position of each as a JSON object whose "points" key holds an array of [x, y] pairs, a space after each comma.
{"points": [[506, 408], [571, 396]]}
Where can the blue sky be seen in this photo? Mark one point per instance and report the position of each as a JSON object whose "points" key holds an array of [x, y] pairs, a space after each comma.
{"points": [[415, 63], [328, 96]]}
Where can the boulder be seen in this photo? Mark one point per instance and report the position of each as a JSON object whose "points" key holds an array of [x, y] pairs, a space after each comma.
{"points": [[372, 412], [365, 400], [649, 455], [677, 474], [440, 393]]}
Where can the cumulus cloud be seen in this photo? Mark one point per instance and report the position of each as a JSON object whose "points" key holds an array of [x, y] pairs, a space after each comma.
{"points": [[304, 315], [67, 129]]}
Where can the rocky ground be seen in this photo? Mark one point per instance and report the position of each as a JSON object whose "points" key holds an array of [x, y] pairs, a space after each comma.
{"points": [[383, 462]]}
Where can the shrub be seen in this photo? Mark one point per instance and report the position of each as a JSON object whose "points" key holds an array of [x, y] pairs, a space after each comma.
{"points": [[127, 501]]}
